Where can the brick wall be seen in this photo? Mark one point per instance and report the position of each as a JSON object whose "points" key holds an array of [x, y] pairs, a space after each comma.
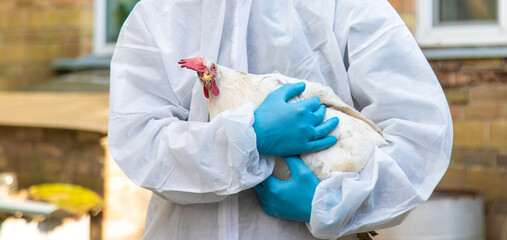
{"points": [[44, 155], [33, 33], [476, 90]]}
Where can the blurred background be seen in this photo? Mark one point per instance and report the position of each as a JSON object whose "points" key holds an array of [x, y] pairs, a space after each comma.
{"points": [[54, 82]]}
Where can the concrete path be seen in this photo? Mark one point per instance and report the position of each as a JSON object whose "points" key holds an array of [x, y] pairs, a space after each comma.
{"points": [[68, 110]]}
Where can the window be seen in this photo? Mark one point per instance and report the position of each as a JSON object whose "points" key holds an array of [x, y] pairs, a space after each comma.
{"points": [[461, 23], [109, 17]]}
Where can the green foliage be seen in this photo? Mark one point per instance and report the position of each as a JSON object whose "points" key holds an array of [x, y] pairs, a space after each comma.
{"points": [[74, 199], [118, 11], [124, 8]]}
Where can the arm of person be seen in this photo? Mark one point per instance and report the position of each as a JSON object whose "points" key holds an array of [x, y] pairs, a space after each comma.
{"points": [[158, 131], [394, 86], [152, 135]]}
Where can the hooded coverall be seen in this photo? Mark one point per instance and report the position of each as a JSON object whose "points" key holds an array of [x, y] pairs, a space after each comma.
{"points": [[201, 172]]}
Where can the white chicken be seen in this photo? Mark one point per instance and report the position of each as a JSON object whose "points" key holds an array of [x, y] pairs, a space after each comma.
{"points": [[357, 136]]}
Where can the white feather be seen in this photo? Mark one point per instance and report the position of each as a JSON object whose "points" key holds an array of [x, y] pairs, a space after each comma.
{"points": [[357, 136]]}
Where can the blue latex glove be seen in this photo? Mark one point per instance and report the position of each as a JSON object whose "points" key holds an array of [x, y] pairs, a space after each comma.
{"points": [[286, 129], [291, 199]]}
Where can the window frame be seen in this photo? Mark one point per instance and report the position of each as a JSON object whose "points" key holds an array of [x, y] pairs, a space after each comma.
{"points": [[100, 45], [454, 35]]}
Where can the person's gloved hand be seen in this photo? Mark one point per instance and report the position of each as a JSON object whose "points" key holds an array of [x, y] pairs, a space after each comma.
{"points": [[285, 129], [291, 199]]}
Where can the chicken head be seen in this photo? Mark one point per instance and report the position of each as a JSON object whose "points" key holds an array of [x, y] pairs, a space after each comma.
{"points": [[206, 71]]}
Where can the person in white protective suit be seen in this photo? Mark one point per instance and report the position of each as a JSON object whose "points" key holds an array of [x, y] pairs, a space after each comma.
{"points": [[202, 172]]}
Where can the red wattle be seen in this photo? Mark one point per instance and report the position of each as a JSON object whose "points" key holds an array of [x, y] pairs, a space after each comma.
{"points": [[214, 88], [206, 92]]}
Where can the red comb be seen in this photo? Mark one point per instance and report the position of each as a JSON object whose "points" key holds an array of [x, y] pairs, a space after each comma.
{"points": [[194, 64]]}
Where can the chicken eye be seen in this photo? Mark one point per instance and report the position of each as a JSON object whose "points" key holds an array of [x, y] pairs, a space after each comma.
{"points": [[213, 68]]}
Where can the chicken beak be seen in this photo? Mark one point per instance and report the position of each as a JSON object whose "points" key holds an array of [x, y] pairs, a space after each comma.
{"points": [[207, 78], [208, 82]]}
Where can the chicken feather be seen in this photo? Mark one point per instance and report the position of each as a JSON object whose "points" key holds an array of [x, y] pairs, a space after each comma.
{"points": [[357, 136]]}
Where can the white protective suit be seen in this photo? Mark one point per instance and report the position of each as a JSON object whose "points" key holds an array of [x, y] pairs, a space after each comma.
{"points": [[202, 171]]}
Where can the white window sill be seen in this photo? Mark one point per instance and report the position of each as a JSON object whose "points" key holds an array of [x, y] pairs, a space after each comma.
{"points": [[87, 62], [465, 53]]}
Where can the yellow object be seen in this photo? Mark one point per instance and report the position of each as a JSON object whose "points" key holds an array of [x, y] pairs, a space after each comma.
{"points": [[75, 199]]}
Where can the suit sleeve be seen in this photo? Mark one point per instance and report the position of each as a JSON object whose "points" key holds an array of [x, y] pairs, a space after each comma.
{"points": [[151, 137], [393, 85]]}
